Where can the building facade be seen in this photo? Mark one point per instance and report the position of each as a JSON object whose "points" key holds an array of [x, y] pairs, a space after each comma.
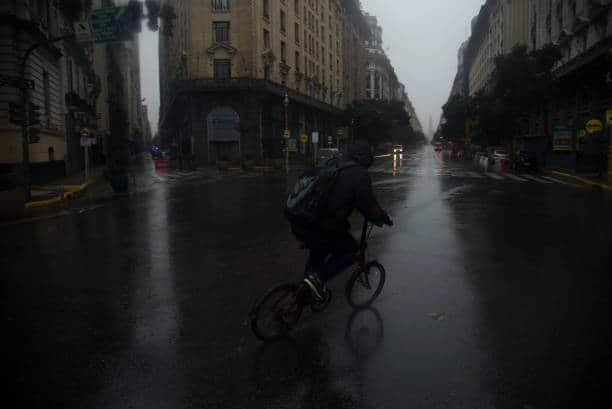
{"points": [[381, 80], [226, 70], [500, 25], [64, 84], [582, 29]]}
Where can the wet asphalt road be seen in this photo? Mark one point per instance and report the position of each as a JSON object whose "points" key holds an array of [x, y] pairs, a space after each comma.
{"points": [[497, 296]]}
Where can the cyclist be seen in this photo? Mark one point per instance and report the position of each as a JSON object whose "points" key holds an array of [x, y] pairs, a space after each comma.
{"points": [[332, 247]]}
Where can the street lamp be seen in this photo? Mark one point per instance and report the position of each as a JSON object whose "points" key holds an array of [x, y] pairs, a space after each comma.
{"points": [[287, 134]]}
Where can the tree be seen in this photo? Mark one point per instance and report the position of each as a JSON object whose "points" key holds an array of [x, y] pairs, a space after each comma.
{"points": [[379, 121], [455, 115]]}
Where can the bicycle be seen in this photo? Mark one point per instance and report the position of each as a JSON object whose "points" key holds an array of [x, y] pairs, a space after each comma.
{"points": [[282, 306]]}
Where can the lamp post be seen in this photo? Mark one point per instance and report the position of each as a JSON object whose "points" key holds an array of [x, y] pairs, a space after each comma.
{"points": [[286, 134]]}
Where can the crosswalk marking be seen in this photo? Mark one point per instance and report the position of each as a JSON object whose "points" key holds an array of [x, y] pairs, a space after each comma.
{"points": [[514, 177], [494, 176], [536, 179], [557, 181]]}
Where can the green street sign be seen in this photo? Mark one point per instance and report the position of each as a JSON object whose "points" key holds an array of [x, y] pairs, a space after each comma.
{"points": [[110, 25]]}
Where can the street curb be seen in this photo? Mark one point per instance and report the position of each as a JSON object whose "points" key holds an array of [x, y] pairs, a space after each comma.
{"points": [[580, 179], [69, 193]]}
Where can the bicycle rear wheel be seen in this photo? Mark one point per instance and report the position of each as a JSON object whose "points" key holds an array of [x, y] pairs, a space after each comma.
{"points": [[365, 285], [276, 313]]}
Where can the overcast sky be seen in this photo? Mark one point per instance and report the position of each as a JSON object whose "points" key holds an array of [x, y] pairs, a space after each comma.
{"points": [[421, 37]]}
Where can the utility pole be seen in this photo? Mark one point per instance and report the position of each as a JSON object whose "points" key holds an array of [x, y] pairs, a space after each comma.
{"points": [[287, 136]]}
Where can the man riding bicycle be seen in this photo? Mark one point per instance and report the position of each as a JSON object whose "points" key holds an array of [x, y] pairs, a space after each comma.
{"points": [[331, 245]]}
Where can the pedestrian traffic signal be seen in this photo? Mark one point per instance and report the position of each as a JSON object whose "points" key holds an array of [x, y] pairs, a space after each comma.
{"points": [[153, 12], [167, 16], [34, 114], [16, 113], [33, 135], [134, 15]]}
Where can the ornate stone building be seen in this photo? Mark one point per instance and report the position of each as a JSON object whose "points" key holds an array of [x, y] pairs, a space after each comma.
{"points": [[64, 84], [225, 73]]}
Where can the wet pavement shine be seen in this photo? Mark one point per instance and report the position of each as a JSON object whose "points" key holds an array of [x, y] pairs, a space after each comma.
{"points": [[497, 296]]}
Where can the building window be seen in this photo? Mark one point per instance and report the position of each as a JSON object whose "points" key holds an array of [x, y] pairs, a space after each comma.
{"points": [[283, 52], [297, 33], [297, 62], [266, 39], [266, 8], [221, 4], [221, 31], [223, 70], [283, 21], [297, 7]]}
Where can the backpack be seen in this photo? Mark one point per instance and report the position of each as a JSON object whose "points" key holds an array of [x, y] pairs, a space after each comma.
{"points": [[310, 195]]}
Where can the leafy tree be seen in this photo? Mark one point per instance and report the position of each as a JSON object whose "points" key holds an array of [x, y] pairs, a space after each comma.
{"points": [[379, 121]]}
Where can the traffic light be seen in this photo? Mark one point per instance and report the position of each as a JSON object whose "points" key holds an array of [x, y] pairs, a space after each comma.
{"points": [[134, 15], [153, 12], [34, 114], [16, 113], [34, 134], [167, 17]]}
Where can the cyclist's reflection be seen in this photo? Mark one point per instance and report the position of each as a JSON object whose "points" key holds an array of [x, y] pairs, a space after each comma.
{"points": [[364, 332]]}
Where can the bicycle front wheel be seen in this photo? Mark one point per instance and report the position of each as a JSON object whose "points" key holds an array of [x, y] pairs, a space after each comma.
{"points": [[276, 313], [365, 285]]}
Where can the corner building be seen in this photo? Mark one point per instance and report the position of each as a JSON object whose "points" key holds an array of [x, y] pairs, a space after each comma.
{"points": [[225, 72]]}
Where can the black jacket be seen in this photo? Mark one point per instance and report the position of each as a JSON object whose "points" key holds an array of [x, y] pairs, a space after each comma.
{"points": [[352, 190]]}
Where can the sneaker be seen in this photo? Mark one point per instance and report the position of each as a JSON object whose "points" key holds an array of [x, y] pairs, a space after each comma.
{"points": [[316, 287]]}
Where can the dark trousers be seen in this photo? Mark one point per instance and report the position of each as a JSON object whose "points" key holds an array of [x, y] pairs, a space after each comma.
{"points": [[330, 253]]}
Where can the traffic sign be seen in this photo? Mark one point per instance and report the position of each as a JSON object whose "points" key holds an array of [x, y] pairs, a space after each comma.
{"points": [[609, 116], [315, 137], [84, 132], [593, 126], [82, 31], [292, 145], [287, 134], [110, 25], [304, 138], [340, 132]]}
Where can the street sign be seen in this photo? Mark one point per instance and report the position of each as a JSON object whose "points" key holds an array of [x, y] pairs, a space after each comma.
{"points": [[581, 133], [563, 137], [84, 132], [110, 25], [340, 132], [304, 138], [287, 134], [593, 126], [292, 145], [82, 31], [315, 137], [609, 116]]}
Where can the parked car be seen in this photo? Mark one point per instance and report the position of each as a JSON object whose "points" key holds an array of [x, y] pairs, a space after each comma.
{"points": [[328, 153], [525, 160], [478, 158], [398, 149], [500, 154]]}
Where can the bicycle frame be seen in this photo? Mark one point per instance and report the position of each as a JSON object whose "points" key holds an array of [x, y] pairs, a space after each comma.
{"points": [[363, 245]]}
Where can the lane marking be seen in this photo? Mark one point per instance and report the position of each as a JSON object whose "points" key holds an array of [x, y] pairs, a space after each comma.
{"points": [[536, 179]]}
